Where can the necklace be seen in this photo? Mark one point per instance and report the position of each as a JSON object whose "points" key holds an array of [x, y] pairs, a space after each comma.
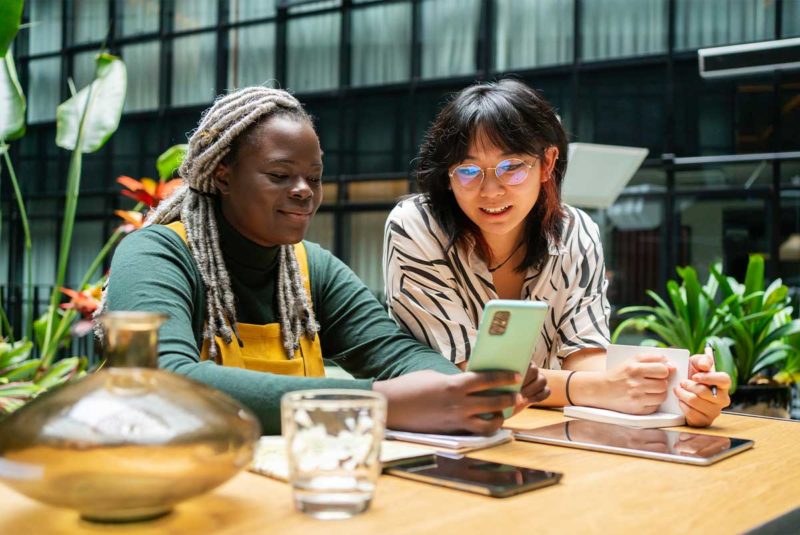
{"points": [[503, 263]]}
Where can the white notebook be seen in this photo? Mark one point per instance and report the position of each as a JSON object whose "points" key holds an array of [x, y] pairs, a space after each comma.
{"points": [[270, 456], [459, 443], [668, 414]]}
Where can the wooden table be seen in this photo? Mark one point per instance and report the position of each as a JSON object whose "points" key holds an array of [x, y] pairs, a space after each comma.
{"points": [[600, 493]]}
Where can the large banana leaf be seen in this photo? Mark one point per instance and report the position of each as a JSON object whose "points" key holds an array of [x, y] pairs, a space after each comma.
{"points": [[105, 97], [10, 16], [12, 101]]}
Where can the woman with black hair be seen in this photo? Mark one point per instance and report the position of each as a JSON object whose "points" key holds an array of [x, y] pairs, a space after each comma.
{"points": [[489, 223]]}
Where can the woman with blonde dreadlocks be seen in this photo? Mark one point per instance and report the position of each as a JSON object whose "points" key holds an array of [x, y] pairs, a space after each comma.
{"points": [[253, 308]]}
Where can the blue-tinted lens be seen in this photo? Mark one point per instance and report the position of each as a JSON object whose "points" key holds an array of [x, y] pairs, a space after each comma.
{"points": [[468, 174], [512, 172]]}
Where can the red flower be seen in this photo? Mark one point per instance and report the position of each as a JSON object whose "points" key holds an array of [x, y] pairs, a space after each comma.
{"points": [[133, 219], [85, 302], [147, 190]]}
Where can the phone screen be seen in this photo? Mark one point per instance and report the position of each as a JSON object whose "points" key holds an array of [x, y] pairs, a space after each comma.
{"points": [[476, 475], [657, 442]]}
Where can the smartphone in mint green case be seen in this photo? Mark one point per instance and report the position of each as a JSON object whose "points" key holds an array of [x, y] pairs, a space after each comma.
{"points": [[507, 336]]}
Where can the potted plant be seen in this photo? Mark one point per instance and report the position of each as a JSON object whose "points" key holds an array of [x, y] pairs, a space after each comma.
{"points": [[758, 339], [749, 326]]}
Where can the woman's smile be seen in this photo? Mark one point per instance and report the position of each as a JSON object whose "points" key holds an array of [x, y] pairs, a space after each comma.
{"points": [[496, 211]]}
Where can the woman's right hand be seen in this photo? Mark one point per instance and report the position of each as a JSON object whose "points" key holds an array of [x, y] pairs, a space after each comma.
{"points": [[637, 386], [432, 402]]}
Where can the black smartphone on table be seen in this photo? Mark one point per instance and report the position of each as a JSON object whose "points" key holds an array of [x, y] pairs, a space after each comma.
{"points": [[476, 475]]}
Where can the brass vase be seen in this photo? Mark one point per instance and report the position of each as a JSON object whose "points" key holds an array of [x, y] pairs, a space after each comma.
{"points": [[127, 442]]}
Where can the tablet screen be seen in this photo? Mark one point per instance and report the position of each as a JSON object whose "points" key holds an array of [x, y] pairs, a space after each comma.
{"points": [[663, 444]]}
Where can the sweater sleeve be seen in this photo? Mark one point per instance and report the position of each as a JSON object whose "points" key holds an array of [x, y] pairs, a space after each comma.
{"points": [[153, 271], [356, 331]]}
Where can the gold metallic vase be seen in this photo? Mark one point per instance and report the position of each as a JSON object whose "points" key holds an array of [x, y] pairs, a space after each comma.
{"points": [[127, 442]]}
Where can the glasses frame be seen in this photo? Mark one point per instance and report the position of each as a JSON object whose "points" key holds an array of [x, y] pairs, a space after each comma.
{"points": [[483, 173]]}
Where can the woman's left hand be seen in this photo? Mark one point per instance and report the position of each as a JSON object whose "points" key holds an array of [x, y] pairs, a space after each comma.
{"points": [[698, 403]]}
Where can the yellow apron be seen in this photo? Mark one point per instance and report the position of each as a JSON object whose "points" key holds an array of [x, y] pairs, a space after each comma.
{"points": [[262, 348]]}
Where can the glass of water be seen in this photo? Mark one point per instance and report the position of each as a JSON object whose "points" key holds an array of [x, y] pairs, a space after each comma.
{"points": [[333, 443]]}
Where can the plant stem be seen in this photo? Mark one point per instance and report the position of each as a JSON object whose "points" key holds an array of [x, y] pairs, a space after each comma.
{"points": [[27, 232], [70, 208], [67, 318]]}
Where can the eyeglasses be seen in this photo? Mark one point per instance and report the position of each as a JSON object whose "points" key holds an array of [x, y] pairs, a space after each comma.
{"points": [[511, 172]]}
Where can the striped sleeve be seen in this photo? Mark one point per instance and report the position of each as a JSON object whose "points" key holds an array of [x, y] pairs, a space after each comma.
{"points": [[420, 284], [583, 321]]}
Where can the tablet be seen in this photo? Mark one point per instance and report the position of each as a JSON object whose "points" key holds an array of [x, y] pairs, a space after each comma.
{"points": [[660, 444]]}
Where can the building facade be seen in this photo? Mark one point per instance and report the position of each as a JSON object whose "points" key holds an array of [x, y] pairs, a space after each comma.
{"points": [[722, 178]]}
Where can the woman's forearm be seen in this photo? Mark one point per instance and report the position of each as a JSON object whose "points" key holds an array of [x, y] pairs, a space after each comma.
{"points": [[587, 385], [585, 388]]}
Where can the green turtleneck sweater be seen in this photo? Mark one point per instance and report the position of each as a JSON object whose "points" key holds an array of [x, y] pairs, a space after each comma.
{"points": [[152, 270]]}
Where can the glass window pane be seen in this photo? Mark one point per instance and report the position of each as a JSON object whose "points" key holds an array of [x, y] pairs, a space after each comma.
{"points": [[726, 176], [632, 244], [321, 230], [533, 33], [449, 37], [312, 56], [379, 126], [366, 247], [43, 236], [621, 28], [252, 59], [791, 18], [45, 30], [190, 14], [623, 108], [790, 112], [83, 68], [725, 230], [381, 44], [314, 6], [251, 9], [44, 89], [193, 69], [377, 190], [723, 22], [90, 20], [142, 61], [139, 16], [790, 173], [89, 239], [789, 247]]}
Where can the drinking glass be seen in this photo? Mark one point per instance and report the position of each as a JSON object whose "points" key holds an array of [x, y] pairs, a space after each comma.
{"points": [[333, 442]]}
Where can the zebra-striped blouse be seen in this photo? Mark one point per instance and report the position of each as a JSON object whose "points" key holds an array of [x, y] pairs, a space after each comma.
{"points": [[439, 297]]}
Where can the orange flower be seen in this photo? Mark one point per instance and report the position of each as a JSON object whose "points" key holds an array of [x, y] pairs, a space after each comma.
{"points": [[85, 302], [133, 219], [148, 191]]}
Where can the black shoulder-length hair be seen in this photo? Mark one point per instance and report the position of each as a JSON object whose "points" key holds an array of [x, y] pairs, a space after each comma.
{"points": [[515, 118]]}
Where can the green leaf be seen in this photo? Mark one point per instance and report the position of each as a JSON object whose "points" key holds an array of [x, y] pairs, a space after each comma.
{"points": [[10, 17], [14, 353], [772, 356], [636, 323], [723, 360], [24, 371], [61, 371], [103, 99], [754, 277], [170, 160], [12, 101]]}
